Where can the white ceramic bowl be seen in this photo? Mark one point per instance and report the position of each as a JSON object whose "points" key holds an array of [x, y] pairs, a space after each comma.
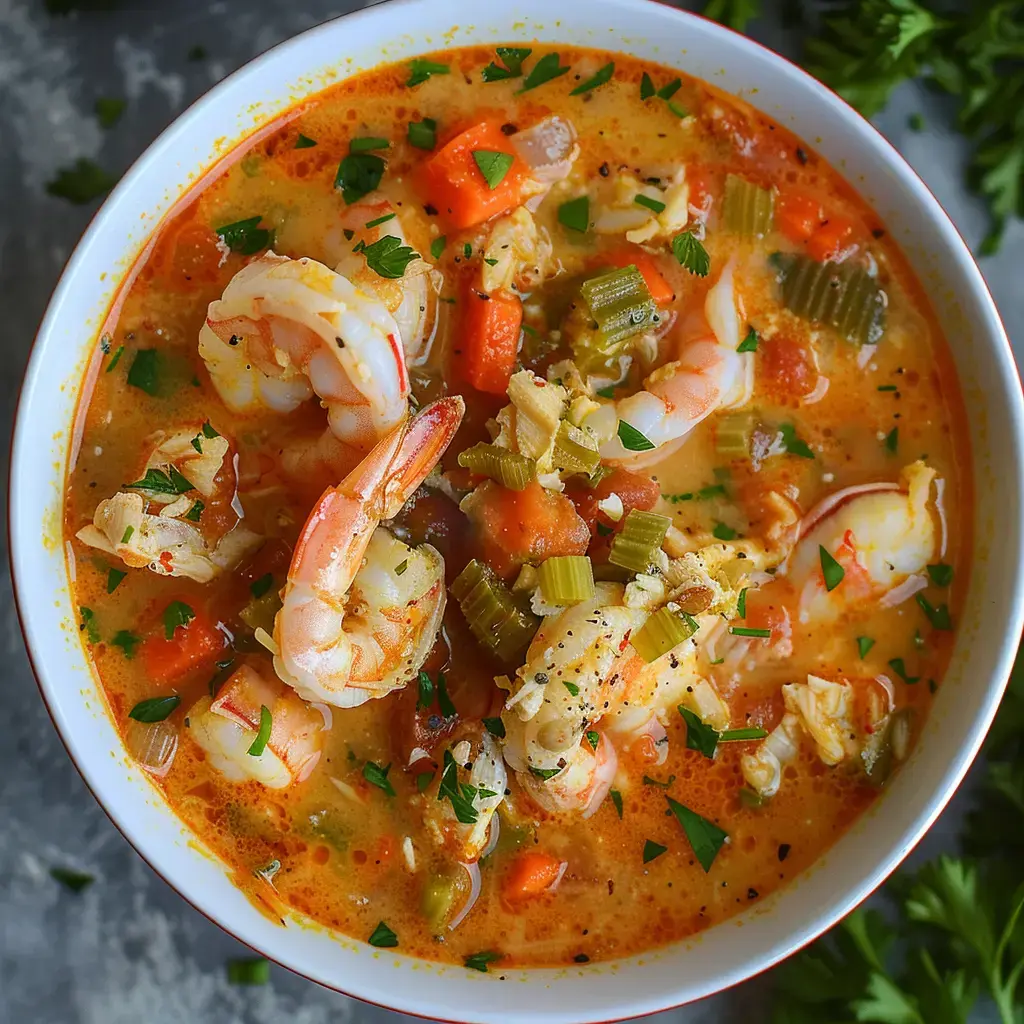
{"points": [[987, 634]]}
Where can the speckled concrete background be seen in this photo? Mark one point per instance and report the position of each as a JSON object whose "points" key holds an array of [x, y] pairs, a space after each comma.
{"points": [[128, 950]]}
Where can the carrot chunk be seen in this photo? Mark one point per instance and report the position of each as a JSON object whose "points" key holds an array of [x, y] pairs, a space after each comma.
{"points": [[531, 874], [798, 216], [661, 291], [490, 339], [191, 647], [452, 181], [634, 489]]}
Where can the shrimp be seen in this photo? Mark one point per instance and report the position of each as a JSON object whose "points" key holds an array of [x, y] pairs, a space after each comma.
{"points": [[163, 528], [460, 819], [226, 727], [883, 535], [286, 329], [410, 299], [360, 608], [844, 718], [708, 375]]}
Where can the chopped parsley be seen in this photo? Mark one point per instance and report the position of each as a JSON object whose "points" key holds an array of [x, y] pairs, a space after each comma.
{"points": [[358, 175], [195, 511], [92, 633], [479, 961], [632, 440], [831, 571], [177, 615], [793, 444], [245, 237], [545, 70], [422, 134], [749, 343], [116, 358], [593, 738], [127, 641], [691, 254], [493, 165], [699, 735], [864, 644], [606, 392], [648, 781], [155, 709], [378, 776], [941, 574], [647, 89], [600, 77], [544, 773], [156, 481], [495, 726], [367, 143], [426, 696], [511, 66], [899, 667], [892, 440], [114, 577], [724, 532], [461, 798], [437, 247], [144, 372], [575, 214], [939, 617], [304, 142], [653, 850], [704, 836], [571, 687], [388, 257], [420, 70], [617, 801], [259, 744], [383, 937]]}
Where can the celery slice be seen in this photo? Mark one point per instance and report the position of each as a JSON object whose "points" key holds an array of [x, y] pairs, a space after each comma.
{"points": [[615, 307], [841, 295], [641, 536], [509, 468], [566, 579], [494, 618], [575, 450], [261, 611], [733, 432], [747, 209], [666, 628]]}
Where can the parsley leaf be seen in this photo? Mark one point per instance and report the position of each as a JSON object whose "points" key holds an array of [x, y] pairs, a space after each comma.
{"points": [[545, 70], [422, 134], [749, 343], [114, 577], [378, 776], [705, 836], [864, 644], [177, 615], [617, 801], [793, 444], [127, 641], [383, 937], [304, 142], [575, 214], [88, 624], [691, 254], [358, 175], [699, 736], [653, 850], [156, 481], [259, 744], [939, 617], [426, 695], [155, 709], [145, 370], [493, 165], [245, 236], [511, 58], [388, 257], [420, 70], [495, 726], [444, 702], [831, 571], [479, 961], [632, 440], [462, 804], [941, 574], [600, 77]]}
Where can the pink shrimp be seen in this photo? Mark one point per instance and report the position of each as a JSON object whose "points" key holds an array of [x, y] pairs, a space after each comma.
{"points": [[707, 375], [361, 609]]}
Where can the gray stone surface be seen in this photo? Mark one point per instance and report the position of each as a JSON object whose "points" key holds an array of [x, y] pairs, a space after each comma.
{"points": [[128, 949]]}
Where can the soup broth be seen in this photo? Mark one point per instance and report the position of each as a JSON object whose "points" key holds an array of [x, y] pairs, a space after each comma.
{"points": [[672, 604]]}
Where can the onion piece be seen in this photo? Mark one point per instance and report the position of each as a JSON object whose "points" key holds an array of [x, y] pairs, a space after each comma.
{"points": [[153, 745], [562, 868], [900, 593], [326, 713], [886, 684], [493, 831], [473, 870], [819, 392], [865, 355], [940, 507]]}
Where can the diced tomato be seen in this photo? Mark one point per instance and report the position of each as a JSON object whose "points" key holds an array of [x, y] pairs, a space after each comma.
{"points": [[191, 647], [485, 354], [786, 367], [798, 216], [530, 525], [661, 291], [531, 874], [453, 183], [833, 235], [635, 490]]}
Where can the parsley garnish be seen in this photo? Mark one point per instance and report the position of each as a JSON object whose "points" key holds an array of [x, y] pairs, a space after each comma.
{"points": [[367, 143], [705, 837], [832, 572], [892, 440], [939, 617], [377, 776], [155, 709], [420, 70], [864, 644], [699, 735], [495, 726], [358, 175], [245, 236], [388, 257], [606, 392], [600, 77], [593, 738], [195, 511], [941, 574], [114, 577], [632, 440], [647, 89], [760, 634], [723, 532], [648, 781], [493, 165], [377, 221], [259, 744], [177, 615], [437, 247], [156, 481], [422, 134], [127, 641], [898, 666], [545, 70], [426, 695], [383, 937], [92, 632], [669, 89], [653, 850], [479, 961], [571, 687], [691, 254], [304, 142], [575, 214], [81, 183], [461, 798], [749, 343], [144, 373], [544, 773], [617, 801], [793, 444], [116, 359], [512, 58]]}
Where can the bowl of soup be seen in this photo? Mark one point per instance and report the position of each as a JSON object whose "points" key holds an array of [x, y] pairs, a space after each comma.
{"points": [[516, 518]]}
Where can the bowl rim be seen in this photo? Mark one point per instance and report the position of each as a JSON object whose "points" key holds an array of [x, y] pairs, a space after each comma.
{"points": [[993, 331]]}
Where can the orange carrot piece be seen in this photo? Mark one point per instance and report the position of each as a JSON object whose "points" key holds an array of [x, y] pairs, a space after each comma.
{"points": [[531, 874], [831, 237], [798, 216], [661, 291], [452, 182], [486, 353], [191, 647]]}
